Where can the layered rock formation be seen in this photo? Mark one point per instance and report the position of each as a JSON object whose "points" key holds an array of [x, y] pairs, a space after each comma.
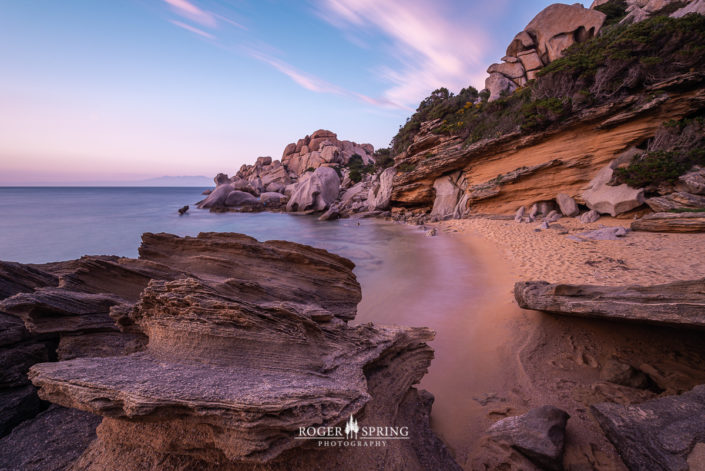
{"points": [[671, 222], [248, 342], [544, 39], [499, 175], [681, 303]]}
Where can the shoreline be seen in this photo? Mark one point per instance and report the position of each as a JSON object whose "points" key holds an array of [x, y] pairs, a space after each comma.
{"points": [[556, 360]]}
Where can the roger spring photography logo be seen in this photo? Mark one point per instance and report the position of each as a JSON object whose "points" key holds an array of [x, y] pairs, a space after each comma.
{"points": [[353, 435]]}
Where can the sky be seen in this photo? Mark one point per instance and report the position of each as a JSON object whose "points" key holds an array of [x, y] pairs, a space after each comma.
{"points": [[125, 90]]}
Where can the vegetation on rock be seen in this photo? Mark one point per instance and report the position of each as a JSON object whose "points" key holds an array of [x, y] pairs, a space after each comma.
{"points": [[619, 62]]}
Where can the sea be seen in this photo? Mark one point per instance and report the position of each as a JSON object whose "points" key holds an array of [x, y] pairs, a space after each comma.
{"points": [[406, 277]]}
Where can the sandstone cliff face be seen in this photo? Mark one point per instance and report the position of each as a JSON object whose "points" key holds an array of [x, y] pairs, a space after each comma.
{"points": [[499, 175], [247, 343]]}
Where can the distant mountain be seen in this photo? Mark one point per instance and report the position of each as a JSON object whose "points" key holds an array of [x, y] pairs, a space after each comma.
{"points": [[197, 180]]}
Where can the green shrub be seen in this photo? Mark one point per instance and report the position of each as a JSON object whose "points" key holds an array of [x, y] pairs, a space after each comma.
{"points": [[383, 158], [615, 10], [654, 168]]}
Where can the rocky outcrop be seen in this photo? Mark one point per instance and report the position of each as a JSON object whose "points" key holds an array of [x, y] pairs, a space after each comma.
{"points": [[671, 222], [539, 435], [315, 192], [662, 433], [544, 39], [499, 175], [321, 148], [567, 205], [681, 303], [246, 348]]}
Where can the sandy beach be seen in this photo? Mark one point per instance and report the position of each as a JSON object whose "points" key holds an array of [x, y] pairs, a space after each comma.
{"points": [[533, 359]]}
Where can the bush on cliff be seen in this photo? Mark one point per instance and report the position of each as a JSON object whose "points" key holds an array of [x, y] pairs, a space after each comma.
{"points": [[358, 168], [619, 62], [675, 149]]}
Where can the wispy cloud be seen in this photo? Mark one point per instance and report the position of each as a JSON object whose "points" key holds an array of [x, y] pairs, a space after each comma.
{"points": [[316, 84], [192, 12], [192, 29], [431, 45]]}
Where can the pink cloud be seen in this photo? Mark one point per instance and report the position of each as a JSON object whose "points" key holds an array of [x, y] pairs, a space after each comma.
{"points": [[192, 29], [190, 11], [434, 47], [315, 84]]}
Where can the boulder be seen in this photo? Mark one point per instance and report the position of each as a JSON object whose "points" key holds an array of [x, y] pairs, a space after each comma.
{"points": [[316, 192], [237, 199], [499, 85], [676, 201], [533, 211], [567, 205], [446, 196], [217, 197], [552, 216], [612, 200], [331, 214], [221, 179], [658, 434], [681, 303], [288, 150], [512, 70], [530, 60], [539, 435], [245, 351], [380, 193], [519, 215], [692, 182], [589, 217], [693, 6], [262, 161], [671, 222], [558, 26], [273, 199]]}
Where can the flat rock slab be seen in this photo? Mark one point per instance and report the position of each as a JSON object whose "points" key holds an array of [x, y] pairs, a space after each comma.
{"points": [[671, 222], [661, 434], [679, 304]]}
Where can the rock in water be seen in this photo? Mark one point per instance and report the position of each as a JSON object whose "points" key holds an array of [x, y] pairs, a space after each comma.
{"points": [[183, 210], [671, 222], [681, 303], [247, 348], [657, 434], [539, 435]]}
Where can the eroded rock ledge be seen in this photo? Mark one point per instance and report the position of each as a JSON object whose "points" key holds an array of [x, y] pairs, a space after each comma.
{"points": [[248, 342], [681, 303]]}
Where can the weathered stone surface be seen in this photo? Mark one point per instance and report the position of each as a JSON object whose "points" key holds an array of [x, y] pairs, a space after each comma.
{"points": [[530, 60], [558, 26], [247, 349], [380, 193], [12, 330], [693, 6], [589, 217], [240, 198], [681, 303], [539, 435], [512, 70], [567, 205], [693, 181], [676, 201], [519, 215], [51, 441], [499, 85], [16, 360], [671, 222], [604, 233], [447, 195], [273, 199], [99, 344], [221, 179], [656, 434], [316, 192], [623, 374], [17, 278], [611, 200], [17, 405], [217, 197]]}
